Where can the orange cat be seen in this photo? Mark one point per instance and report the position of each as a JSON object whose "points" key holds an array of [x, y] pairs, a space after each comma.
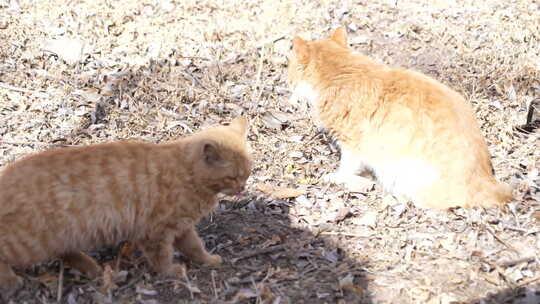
{"points": [[417, 136], [59, 202]]}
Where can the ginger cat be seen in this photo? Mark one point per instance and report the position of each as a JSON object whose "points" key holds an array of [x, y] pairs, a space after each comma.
{"points": [[60, 202], [417, 136]]}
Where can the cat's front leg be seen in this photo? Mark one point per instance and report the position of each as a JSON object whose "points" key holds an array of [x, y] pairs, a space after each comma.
{"points": [[347, 174], [349, 166], [191, 245], [159, 252]]}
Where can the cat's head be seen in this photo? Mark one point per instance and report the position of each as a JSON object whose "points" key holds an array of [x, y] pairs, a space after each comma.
{"points": [[305, 62], [222, 161]]}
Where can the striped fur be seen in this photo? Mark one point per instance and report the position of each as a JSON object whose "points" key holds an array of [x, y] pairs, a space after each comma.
{"points": [[59, 202]]}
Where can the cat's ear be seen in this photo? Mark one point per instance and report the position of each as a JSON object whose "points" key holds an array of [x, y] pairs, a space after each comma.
{"points": [[340, 36], [210, 152], [240, 124], [301, 50]]}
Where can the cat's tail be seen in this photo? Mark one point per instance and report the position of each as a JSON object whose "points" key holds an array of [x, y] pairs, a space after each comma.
{"points": [[493, 194]]}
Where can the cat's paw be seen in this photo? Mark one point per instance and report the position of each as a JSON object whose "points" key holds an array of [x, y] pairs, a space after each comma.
{"points": [[353, 183], [9, 285], [213, 260], [334, 178], [93, 271], [177, 271]]}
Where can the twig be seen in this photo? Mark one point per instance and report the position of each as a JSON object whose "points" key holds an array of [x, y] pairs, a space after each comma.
{"points": [[516, 229], [489, 279], [532, 232], [501, 240], [529, 281], [20, 143], [193, 79], [131, 283], [527, 232], [60, 283], [188, 286], [343, 234], [251, 279], [22, 90], [511, 284], [244, 281], [196, 81], [523, 260], [213, 274], [194, 57], [258, 252], [259, 78], [264, 43]]}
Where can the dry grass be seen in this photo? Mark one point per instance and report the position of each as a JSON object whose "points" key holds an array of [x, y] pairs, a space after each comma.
{"points": [[157, 70]]}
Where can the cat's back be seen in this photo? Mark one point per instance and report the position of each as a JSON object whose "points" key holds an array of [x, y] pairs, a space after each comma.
{"points": [[72, 198], [71, 166], [79, 180]]}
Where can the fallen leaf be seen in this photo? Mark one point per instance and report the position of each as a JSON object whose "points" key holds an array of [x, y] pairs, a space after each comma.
{"points": [[71, 298], [336, 215], [121, 276], [70, 50], [14, 5], [492, 277], [449, 244], [192, 288], [342, 213], [446, 298], [275, 119], [267, 295], [281, 192], [368, 219], [303, 201], [296, 154], [127, 250], [46, 277], [276, 238], [108, 280], [243, 294], [271, 242], [145, 291], [287, 193], [347, 283], [90, 94], [331, 255], [305, 181]]}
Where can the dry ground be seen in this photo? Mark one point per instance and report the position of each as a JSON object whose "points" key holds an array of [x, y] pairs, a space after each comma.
{"points": [[81, 72]]}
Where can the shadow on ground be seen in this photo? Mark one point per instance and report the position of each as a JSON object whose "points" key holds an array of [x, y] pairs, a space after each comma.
{"points": [[518, 295], [266, 260]]}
